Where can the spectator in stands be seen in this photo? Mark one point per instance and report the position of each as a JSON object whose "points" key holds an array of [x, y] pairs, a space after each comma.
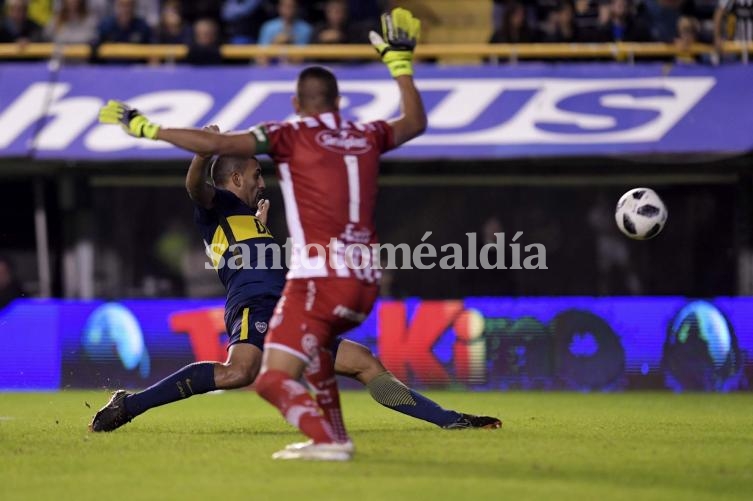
{"points": [[688, 29], [10, 289], [664, 16], [287, 28], [243, 19], [124, 26], [172, 29], [542, 10], [39, 11], [72, 23], [743, 12], [516, 27], [205, 49], [618, 23], [148, 10], [498, 12], [193, 10], [17, 27], [334, 29], [586, 20], [560, 27], [99, 8]]}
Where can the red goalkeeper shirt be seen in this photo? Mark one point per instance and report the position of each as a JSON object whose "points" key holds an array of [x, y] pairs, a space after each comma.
{"points": [[328, 170]]}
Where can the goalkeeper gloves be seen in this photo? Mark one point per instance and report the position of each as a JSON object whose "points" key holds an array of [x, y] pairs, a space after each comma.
{"points": [[133, 122], [400, 30]]}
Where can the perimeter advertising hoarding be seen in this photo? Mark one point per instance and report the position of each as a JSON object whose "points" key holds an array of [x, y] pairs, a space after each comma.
{"points": [[573, 343], [474, 112]]}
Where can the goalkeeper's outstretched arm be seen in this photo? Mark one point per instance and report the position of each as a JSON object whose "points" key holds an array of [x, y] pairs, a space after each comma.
{"points": [[202, 142], [206, 143]]}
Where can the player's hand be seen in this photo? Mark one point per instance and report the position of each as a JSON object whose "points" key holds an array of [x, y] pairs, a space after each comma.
{"points": [[262, 210], [400, 31], [133, 122], [211, 128]]}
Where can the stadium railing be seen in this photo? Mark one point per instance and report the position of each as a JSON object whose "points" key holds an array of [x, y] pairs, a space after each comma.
{"points": [[623, 51]]}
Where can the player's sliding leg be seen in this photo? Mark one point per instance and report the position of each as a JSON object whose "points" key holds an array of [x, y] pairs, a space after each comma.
{"points": [[278, 384], [239, 370], [357, 361]]}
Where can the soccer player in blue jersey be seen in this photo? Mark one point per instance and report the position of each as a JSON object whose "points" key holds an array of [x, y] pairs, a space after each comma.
{"points": [[230, 210]]}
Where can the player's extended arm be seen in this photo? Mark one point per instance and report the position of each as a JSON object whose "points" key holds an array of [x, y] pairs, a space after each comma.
{"points": [[201, 142], [199, 190], [400, 31]]}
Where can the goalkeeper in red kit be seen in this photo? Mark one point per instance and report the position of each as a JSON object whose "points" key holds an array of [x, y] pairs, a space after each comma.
{"points": [[328, 169]]}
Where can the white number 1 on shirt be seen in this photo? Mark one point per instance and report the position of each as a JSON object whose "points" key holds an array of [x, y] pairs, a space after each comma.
{"points": [[354, 189]]}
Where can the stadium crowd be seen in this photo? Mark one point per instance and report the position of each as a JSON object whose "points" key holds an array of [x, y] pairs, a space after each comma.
{"points": [[204, 25]]}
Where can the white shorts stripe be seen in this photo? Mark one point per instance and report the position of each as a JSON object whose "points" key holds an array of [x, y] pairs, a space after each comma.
{"points": [[287, 349]]}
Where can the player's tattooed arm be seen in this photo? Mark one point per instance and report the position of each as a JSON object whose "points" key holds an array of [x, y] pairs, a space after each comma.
{"points": [[197, 178]]}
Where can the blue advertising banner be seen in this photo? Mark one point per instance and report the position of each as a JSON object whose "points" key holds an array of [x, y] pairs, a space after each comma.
{"points": [[474, 112], [576, 343]]}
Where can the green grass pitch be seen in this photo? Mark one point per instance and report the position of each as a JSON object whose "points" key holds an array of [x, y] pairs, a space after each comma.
{"points": [[552, 446]]}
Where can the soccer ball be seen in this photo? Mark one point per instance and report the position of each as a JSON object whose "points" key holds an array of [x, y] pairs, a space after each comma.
{"points": [[640, 214]]}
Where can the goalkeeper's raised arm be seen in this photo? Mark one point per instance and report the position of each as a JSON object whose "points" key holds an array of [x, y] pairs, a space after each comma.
{"points": [[400, 33]]}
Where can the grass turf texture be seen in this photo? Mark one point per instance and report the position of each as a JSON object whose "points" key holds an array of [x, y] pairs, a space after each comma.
{"points": [[551, 446]]}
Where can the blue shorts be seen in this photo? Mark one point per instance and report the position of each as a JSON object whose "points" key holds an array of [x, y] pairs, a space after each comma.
{"points": [[249, 323]]}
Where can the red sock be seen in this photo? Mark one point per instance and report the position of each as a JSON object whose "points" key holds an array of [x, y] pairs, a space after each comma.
{"points": [[295, 404], [320, 375]]}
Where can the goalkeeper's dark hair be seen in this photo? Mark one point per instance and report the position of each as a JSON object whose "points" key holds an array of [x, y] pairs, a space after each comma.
{"points": [[224, 166], [317, 89]]}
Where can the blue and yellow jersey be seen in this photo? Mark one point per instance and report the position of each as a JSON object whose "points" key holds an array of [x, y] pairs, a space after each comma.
{"points": [[245, 259]]}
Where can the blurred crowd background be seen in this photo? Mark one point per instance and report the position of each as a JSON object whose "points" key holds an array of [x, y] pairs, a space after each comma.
{"points": [[204, 25]]}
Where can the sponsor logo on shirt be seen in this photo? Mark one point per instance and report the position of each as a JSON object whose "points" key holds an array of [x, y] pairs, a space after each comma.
{"points": [[350, 142]]}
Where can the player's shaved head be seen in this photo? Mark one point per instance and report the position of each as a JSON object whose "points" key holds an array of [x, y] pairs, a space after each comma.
{"points": [[224, 166], [317, 90]]}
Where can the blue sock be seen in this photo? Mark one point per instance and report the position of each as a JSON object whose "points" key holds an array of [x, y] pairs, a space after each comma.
{"points": [[191, 380], [390, 392]]}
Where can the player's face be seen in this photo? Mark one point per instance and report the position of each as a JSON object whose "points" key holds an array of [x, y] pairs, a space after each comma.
{"points": [[253, 183]]}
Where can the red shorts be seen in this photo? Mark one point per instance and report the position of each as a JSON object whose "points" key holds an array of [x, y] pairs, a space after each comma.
{"points": [[313, 312]]}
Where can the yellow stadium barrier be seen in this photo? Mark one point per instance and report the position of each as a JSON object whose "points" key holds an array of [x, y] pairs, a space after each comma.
{"points": [[616, 51]]}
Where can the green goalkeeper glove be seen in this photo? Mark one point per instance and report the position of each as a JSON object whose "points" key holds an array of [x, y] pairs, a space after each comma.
{"points": [[400, 31], [133, 122]]}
